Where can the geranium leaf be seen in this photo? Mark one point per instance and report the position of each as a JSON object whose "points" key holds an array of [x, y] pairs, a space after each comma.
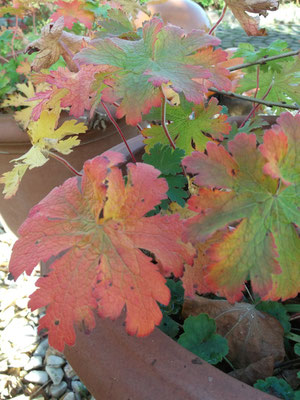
{"points": [[200, 338], [72, 12], [169, 326], [191, 127], [264, 246], [44, 137], [164, 54], [277, 387], [164, 158], [97, 226], [240, 9]]}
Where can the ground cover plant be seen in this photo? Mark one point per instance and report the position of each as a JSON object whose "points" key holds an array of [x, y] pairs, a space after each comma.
{"points": [[213, 207]]}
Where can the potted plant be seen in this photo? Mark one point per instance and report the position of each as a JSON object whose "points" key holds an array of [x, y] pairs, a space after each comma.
{"points": [[211, 205]]}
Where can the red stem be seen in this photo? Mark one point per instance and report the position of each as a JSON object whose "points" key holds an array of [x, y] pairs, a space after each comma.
{"points": [[219, 20], [118, 129], [65, 162], [163, 120], [137, 125], [257, 105]]}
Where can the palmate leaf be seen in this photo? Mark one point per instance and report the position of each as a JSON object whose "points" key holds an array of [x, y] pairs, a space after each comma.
{"points": [[44, 137], [164, 54], [72, 12], [264, 246], [200, 338], [285, 86], [189, 124], [98, 224]]}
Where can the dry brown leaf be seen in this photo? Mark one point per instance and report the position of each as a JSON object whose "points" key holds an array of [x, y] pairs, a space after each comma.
{"points": [[261, 369], [251, 334], [53, 43], [250, 24]]}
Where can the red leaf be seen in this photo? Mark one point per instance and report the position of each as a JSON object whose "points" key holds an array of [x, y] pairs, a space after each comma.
{"points": [[73, 12], [97, 227]]}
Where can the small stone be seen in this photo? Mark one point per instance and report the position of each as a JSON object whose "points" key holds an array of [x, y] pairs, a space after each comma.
{"points": [[40, 377], [56, 374], [79, 388], [6, 316], [55, 361], [69, 396], [22, 303], [51, 351], [20, 333], [58, 390], [34, 362], [19, 360], [42, 348], [3, 366], [69, 372]]}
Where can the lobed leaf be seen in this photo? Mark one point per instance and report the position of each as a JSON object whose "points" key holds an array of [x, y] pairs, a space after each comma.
{"points": [[264, 246], [96, 228], [164, 54]]}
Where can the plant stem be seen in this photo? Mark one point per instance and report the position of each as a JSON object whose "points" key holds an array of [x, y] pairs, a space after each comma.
{"points": [[114, 122], [219, 20], [137, 125], [254, 100], [252, 112], [264, 60], [69, 58], [163, 120], [65, 162], [4, 59]]}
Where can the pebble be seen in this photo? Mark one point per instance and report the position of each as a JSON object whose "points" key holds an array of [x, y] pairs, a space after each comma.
{"points": [[6, 316], [19, 360], [3, 366], [79, 388], [42, 348], [40, 377], [34, 363], [56, 374], [58, 390], [55, 361], [69, 396], [20, 333], [69, 372]]}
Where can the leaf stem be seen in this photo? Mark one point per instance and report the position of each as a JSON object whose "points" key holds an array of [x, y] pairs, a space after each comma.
{"points": [[254, 100], [114, 122], [69, 58], [4, 59], [264, 60], [163, 119], [255, 107], [219, 20], [63, 161]]}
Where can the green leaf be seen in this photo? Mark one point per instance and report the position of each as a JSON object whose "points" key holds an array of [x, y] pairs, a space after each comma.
{"points": [[254, 125], [177, 191], [191, 127], [169, 326], [278, 311], [177, 297], [164, 158], [200, 338], [276, 387], [297, 349]]}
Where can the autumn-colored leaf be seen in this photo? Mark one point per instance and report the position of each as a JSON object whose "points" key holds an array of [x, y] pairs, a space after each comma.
{"points": [[78, 86], [164, 54], [190, 126], [281, 148], [99, 225], [72, 12], [44, 137], [251, 334], [250, 24], [264, 247]]}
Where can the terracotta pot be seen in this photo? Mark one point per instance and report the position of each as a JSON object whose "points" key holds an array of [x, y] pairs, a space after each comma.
{"points": [[38, 182], [116, 366]]}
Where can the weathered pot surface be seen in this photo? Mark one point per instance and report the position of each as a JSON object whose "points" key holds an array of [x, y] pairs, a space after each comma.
{"points": [[116, 366]]}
